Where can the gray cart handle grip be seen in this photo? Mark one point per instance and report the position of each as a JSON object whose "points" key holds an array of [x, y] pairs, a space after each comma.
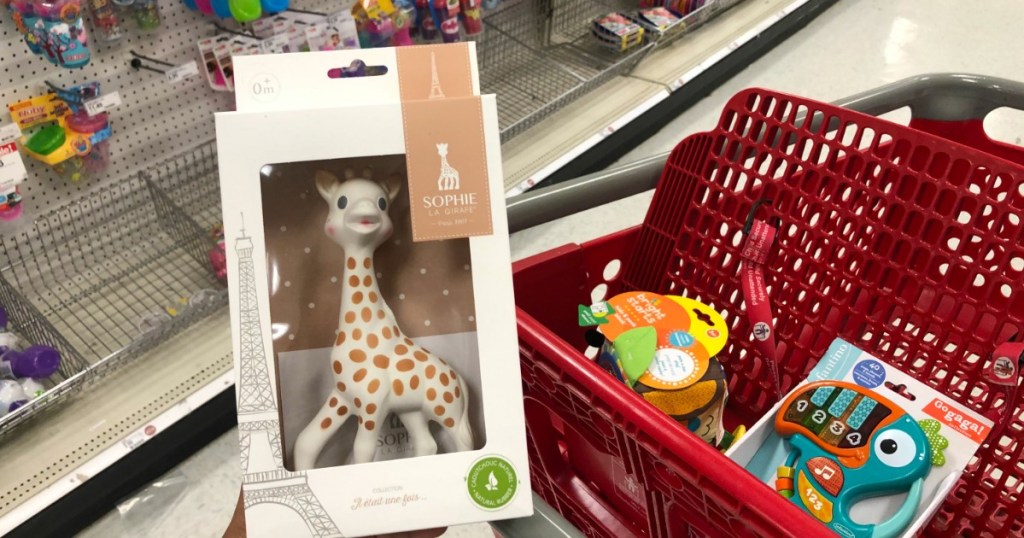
{"points": [[943, 97]]}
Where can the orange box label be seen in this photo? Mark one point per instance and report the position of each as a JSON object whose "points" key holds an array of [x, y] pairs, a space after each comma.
{"points": [[953, 417]]}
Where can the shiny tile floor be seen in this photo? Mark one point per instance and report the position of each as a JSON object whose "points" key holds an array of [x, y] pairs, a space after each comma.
{"points": [[852, 47]]}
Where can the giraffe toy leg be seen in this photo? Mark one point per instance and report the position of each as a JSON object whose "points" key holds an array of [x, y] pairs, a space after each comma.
{"points": [[365, 443], [314, 436], [423, 442], [461, 432]]}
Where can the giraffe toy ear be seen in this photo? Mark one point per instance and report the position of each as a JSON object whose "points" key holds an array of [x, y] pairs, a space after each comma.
{"points": [[326, 183], [392, 186]]}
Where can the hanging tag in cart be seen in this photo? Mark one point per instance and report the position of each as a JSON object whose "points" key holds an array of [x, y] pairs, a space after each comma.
{"points": [[760, 235], [1004, 371]]}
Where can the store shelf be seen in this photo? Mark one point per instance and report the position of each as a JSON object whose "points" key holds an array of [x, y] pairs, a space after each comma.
{"points": [[51, 457], [668, 73]]}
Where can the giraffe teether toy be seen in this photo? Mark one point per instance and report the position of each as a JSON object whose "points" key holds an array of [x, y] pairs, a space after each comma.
{"points": [[377, 370]]}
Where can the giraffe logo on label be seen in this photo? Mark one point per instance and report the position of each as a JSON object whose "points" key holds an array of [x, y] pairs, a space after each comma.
{"points": [[449, 178]]}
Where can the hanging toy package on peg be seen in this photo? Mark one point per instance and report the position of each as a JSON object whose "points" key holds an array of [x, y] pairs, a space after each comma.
{"points": [[374, 21], [862, 447], [146, 14], [67, 129], [23, 13], [60, 32], [106, 21]]}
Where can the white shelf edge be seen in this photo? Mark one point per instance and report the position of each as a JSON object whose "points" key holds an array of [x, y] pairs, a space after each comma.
{"points": [[634, 113], [111, 455]]}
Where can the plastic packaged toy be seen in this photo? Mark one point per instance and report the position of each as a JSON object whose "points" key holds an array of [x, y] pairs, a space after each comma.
{"points": [[616, 31], [105, 21], [22, 368], [664, 348], [374, 312], [65, 137], [60, 32], [862, 447], [23, 13], [217, 254], [146, 14]]}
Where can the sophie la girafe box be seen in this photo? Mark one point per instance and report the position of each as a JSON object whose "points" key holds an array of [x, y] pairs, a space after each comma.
{"points": [[371, 294]]}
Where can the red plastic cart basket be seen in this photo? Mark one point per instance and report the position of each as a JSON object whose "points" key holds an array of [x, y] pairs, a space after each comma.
{"points": [[906, 243]]}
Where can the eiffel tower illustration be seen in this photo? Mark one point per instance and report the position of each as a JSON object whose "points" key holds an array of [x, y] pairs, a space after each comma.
{"points": [[264, 478], [435, 81]]}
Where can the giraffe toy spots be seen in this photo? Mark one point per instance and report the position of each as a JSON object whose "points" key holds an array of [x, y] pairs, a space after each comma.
{"points": [[449, 178], [377, 369]]}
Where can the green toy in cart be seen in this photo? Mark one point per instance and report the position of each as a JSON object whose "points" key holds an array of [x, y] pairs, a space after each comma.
{"points": [[664, 348]]}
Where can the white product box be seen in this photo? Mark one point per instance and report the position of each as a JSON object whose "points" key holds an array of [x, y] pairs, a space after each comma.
{"points": [[372, 305]]}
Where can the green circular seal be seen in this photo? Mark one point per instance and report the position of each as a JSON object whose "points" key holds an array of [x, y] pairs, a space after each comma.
{"points": [[492, 482]]}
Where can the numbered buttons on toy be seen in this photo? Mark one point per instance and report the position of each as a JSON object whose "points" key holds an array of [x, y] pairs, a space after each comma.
{"points": [[827, 473]]}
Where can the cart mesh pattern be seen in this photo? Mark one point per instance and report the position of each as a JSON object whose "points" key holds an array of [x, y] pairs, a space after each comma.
{"points": [[907, 245]]}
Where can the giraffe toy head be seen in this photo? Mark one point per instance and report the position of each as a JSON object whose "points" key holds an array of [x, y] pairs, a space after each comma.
{"points": [[357, 215], [442, 150]]}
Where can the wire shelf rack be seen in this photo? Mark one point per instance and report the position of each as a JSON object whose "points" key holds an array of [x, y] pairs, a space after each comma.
{"points": [[538, 56], [190, 182], [104, 279]]}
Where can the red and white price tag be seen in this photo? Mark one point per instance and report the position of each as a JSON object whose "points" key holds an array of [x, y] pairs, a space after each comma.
{"points": [[102, 103], [12, 168]]}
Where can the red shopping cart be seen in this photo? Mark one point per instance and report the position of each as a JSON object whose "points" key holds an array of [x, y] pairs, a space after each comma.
{"points": [[906, 242]]}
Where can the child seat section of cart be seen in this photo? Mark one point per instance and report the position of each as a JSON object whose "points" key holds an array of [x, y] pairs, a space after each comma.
{"points": [[899, 241]]}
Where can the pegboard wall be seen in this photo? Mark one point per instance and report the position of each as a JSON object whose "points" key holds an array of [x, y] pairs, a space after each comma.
{"points": [[156, 120]]}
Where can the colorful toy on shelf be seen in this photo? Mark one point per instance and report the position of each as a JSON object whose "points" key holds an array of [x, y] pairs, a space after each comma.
{"points": [[358, 221], [66, 137], [659, 22], [82, 124], [36, 361], [427, 26], [22, 367], [60, 32], [105, 21], [403, 27], [448, 13], [616, 31], [249, 10], [12, 396], [472, 20], [8, 339], [146, 14], [23, 13], [218, 253], [848, 443]]}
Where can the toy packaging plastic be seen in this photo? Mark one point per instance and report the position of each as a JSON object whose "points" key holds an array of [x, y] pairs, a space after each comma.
{"points": [[862, 447], [664, 348], [372, 306]]}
